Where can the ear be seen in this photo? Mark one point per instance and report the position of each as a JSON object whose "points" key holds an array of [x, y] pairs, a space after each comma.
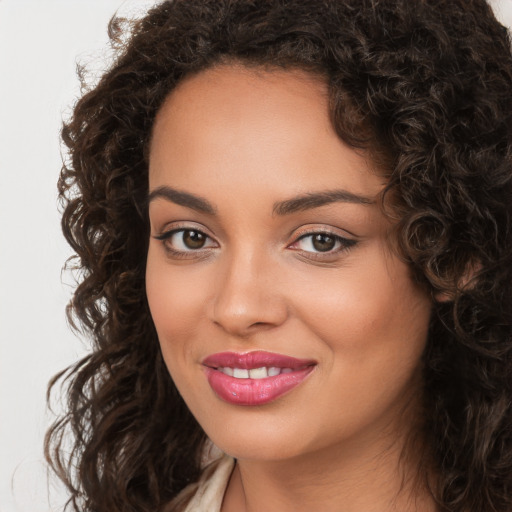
{"points": [[443, 296], [465, 282]]}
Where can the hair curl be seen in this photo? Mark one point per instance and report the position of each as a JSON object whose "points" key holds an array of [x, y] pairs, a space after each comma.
{"points": [[427, 83]]}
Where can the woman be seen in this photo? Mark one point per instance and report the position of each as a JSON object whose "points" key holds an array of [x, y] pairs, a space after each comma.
{"points": [[293, 228]]}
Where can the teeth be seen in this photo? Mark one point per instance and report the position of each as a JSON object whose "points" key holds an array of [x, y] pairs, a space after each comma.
{"points": [[258, 373], [227, 371], [254, 373], [273, 371], [239, 373]]}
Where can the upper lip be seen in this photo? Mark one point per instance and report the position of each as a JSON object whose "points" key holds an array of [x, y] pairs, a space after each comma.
{"points": [[255, 359]]}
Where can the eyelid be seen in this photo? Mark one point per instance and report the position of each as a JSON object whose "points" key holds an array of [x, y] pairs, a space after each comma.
{"points": [[311, 229], [345, 242], [169, 230], [342, 239]]}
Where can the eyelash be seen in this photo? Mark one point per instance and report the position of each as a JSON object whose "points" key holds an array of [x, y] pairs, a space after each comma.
{"points": [[180, 254], [344, 244]]}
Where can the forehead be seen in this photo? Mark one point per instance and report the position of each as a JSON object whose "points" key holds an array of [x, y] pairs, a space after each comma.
{"points": [[231, 126], [230, 86]]}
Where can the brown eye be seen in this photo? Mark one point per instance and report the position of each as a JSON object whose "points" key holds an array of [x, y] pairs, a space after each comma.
{"points": [[193, 239], [322, 242], [186, 241]]}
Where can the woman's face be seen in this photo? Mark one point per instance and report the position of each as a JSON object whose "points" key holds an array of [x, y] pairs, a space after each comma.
{"points": [[287, 322]]}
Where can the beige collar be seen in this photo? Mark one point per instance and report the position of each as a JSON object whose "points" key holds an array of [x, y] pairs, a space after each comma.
{"points": [[212, 486]]}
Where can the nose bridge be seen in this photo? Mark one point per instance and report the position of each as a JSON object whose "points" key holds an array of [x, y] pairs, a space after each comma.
{"points": [[248, 295]]}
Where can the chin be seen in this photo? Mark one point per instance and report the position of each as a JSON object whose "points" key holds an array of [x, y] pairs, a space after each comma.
{"points": [[263, 437], [269, 450]]}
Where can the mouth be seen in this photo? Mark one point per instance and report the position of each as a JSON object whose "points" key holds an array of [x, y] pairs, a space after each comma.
{"points": [[254, 378], [253, 373]]}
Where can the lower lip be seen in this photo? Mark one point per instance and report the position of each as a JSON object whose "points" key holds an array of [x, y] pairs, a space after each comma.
{"points": [[254, 391]]}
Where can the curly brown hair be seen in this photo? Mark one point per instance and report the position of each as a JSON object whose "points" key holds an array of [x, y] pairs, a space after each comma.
{"points": [[425, 85]]}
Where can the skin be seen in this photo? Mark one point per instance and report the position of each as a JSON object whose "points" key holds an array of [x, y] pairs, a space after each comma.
{"points": [[245, 140]]}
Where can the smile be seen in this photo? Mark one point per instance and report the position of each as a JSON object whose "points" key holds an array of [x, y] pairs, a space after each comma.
{"points": [[254, 378], [254, 373]]}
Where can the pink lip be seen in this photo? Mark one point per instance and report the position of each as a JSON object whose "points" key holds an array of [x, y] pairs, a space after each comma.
{"points": [[254, 391]]}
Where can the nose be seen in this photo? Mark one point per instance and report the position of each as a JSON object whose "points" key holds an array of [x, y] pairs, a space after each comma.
{"points": [[248, 296]]}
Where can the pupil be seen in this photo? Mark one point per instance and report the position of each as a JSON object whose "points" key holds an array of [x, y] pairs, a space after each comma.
{"points": [[193, 239], [323, 243]]}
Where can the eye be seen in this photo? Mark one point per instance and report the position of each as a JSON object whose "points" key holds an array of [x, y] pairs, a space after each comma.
{"points": [[319, 242], [185, 240], [322, 242]]}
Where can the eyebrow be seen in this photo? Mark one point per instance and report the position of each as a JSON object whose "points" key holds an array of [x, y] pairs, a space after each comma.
{"points": [[183, 199], [317, 199], [296, 204]]}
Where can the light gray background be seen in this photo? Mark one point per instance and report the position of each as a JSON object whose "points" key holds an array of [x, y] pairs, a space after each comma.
{"points": [[40, 43]]}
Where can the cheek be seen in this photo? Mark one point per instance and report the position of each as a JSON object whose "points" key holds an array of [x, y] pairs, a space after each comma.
{"points": [[174, 305], [173, 302], [367, 311], [374, 324]]}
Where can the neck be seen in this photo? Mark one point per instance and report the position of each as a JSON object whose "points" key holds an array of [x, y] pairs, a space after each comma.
{"points": [[369, 475]]}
